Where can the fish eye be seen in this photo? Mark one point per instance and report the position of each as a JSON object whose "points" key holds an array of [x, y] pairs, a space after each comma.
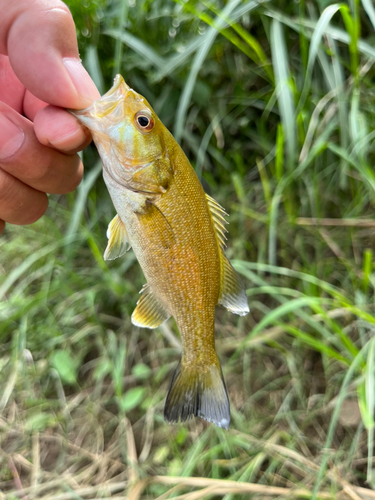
{"points": [[144, 121]]}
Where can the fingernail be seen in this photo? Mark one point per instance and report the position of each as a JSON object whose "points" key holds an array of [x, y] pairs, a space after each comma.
{"points": [[81, 80], [11, 137]]}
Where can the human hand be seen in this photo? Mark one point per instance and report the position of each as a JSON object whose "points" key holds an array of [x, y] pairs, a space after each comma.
{"points": [[39, 64]]}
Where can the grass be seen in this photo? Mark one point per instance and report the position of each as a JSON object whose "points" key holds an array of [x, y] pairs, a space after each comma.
{"points": [[274, 104]]}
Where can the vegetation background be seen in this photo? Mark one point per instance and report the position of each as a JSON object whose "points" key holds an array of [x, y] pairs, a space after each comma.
{"points": [[274, 104]]}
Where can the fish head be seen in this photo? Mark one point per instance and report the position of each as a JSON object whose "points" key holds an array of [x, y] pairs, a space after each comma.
{"points": [[125, 129]]}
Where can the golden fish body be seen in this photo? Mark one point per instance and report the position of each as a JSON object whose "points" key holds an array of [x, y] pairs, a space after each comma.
{"points": [[177, 235]]}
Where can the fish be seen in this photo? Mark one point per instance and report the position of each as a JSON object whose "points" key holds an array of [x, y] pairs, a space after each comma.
{"points": [[177, 233]]}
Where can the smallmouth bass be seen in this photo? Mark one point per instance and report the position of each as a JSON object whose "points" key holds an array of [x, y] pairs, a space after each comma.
{"points": [[177, 233]]}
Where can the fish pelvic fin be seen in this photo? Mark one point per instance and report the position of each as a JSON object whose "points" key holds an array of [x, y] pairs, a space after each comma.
{"points": [[118, 242], [149, 313], [198, 393]]}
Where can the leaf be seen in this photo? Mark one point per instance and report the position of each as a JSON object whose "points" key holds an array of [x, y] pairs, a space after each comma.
{"points": [[141, 371], [103, 368], [39, 422], [161, 454], [65, 366], [93, 66], [199, 59], [370, 385], [283, 89], [289, 307], [132, 398], [144, 50], [370, 11]]}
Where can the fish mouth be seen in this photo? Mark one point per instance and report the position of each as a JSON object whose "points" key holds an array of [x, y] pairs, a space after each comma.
{"points": [[102, 106]]}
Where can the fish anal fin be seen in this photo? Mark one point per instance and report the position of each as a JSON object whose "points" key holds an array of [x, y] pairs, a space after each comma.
{"points": [[218, 215], [149, 313], [198, 393], [118, 242], [232, 293]]}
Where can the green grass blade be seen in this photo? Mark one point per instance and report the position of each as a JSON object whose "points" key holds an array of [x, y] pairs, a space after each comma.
{"points": [[370, 405], [283, 89], [137, 45], [242, 266], [287, 308], [93, 67], [316, 344], [118, 47], [197, 64], [370, 11], [83, 191], [335, 417]]}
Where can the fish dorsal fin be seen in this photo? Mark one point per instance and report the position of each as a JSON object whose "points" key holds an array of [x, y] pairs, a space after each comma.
{"points": [[232, 290], [218, 215], [118, 242], [149, 313]]}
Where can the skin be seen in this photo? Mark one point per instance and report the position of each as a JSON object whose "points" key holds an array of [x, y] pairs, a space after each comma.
{"points": [[40, 73]]}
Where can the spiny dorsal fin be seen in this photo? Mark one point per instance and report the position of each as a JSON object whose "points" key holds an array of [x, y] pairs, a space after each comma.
{"points": [[218, 214], [118, 242], [149, 313], [232, 294], [198, 393]]}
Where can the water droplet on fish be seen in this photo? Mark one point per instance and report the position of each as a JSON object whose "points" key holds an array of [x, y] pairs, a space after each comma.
{"points": [[224, 422]]}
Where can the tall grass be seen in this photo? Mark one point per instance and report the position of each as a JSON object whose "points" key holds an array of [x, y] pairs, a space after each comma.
{"points": [[273, 102]]}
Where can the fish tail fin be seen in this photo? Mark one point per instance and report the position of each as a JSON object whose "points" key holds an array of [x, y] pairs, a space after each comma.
{"points": [[198, 392]]}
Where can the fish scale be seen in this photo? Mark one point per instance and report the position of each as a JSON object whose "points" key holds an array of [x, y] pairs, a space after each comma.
{"points": [[177, 233]]}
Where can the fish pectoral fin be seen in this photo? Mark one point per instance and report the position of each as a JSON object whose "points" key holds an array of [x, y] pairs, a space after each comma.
{"points": [[232, 294], [218, 215], [198, 393], [149, 313], [118, 242], [157, 223]]}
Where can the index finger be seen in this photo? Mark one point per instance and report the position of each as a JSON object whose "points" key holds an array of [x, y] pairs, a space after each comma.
{"points": [[40, 39]]}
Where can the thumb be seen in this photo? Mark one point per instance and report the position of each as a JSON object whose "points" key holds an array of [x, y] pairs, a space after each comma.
{"points": [[40, 39]]}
